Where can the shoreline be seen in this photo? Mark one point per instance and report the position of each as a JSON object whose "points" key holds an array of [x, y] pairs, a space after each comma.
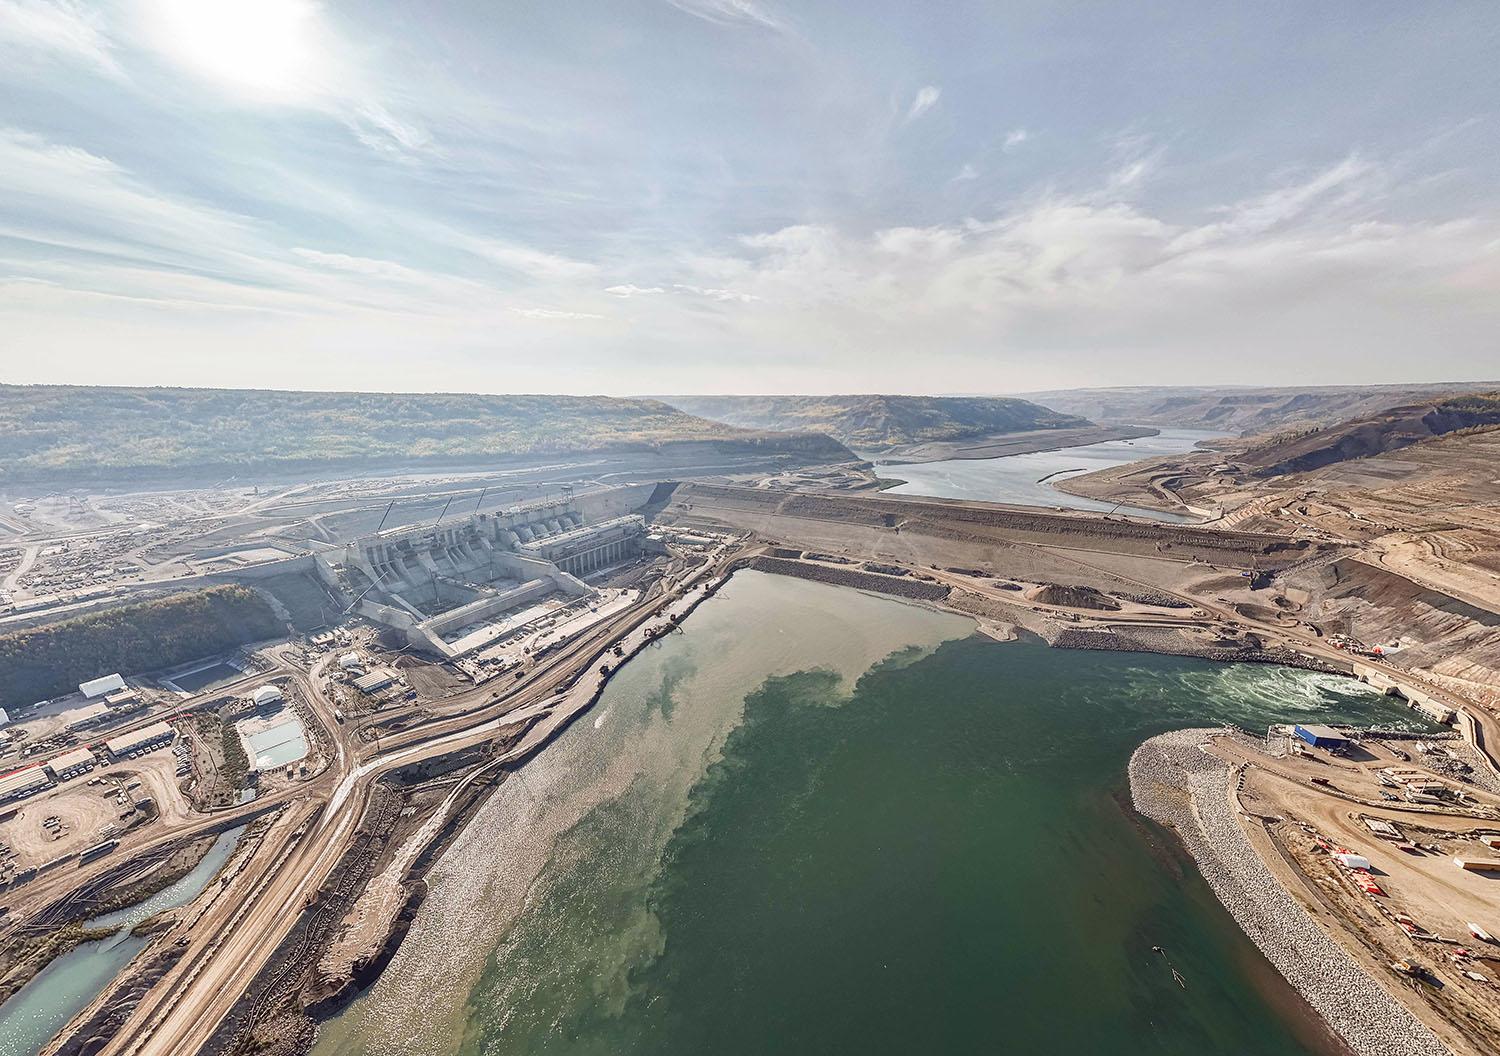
{"points": [[908, 590], [1004, 445], [996, 618], [331, 994], [1177, 784], [34, 953]]}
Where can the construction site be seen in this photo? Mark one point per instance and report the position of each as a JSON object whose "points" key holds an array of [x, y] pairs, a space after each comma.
{"points": [[452, 588], [425, 660], [1386, 840]]}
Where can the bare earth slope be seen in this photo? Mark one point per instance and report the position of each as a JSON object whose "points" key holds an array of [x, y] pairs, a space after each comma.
{"points": [[1376, 434], [1422, 513], [875, 421], [1243, 411]]}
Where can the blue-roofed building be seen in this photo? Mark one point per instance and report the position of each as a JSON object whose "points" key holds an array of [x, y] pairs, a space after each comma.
{"points": [[1320, 736]]}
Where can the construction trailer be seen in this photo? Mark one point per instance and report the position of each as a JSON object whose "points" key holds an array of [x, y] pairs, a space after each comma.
{"points": [[122, 698], [1478, 865]]}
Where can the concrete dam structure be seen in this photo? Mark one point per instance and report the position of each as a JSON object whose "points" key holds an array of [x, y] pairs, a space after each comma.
{"points": [[443, 585]]}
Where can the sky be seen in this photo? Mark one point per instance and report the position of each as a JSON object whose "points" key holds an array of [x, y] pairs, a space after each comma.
{"points": [[696, 196]]}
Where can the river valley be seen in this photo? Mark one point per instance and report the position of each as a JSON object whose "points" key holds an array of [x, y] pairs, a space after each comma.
{"points": [[1027, 479]]}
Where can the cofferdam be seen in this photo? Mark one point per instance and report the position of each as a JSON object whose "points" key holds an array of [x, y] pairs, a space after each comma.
{"points": [[822, 821]]}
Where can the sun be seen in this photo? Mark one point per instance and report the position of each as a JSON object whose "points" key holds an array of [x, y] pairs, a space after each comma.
{"points": [[263, 48]]}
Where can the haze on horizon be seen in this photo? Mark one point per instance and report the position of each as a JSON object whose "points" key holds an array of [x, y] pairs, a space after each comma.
{"points": [[699, 196]]}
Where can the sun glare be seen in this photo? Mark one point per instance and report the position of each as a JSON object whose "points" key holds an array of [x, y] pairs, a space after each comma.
{"points": [[260, 47]]}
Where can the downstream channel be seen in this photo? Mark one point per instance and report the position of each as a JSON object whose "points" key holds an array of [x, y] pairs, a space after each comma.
{"points": [[1028, 479], [822, 821]]}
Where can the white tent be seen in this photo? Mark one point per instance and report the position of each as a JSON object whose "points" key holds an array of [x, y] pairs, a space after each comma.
{"points": [[100, 686]]}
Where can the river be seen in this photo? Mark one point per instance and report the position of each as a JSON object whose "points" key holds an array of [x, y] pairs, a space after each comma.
{"points": [[1018, 478], [821, 821]]}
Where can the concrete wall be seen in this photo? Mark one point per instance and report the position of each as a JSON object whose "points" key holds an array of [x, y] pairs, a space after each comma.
{"points": [[525, 594], [1419, 699], [605, 503]]}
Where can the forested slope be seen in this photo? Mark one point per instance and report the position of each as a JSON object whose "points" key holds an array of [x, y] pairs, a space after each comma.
{"points": [[47, 661]]}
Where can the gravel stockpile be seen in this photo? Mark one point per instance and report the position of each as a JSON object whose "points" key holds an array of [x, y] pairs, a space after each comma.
{"points": [[1161, 601], [1368, 1019]]}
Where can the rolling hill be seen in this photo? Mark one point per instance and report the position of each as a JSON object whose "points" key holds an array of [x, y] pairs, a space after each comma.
{"points": [[51, 432], [873, 422]]}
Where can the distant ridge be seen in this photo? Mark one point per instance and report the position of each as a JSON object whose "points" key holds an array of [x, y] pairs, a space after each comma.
{"points": [[1244, 410], [59, 431], [873, 422]]}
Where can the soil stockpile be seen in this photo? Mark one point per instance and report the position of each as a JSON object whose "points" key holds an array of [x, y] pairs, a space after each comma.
{"points": [[849, 577], [1075, 598]]}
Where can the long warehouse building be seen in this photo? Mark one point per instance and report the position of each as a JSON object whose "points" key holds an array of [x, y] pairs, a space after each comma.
{"points": [[23, 783], [72, 763], [143, 740]]}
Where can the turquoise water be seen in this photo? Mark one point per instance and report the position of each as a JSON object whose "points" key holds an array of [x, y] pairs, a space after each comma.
{"points": [[278, 745], [823, 822], [43, 1006], [1018, 478]]}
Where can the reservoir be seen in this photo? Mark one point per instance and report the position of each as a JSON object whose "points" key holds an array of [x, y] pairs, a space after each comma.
{"points": [[1019, 478], [821, 821]]}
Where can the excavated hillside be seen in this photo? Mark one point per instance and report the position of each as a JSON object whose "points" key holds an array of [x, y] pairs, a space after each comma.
{"points": [[1377, 434], [873, 422], [1440, 634], [1244, 411]]}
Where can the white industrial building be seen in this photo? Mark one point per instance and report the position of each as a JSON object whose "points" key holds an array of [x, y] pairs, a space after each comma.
{"points": [[71, 763], [143, 740], [375, 680], [101, 686], [23, 783], [266, 696], [445, 586], [579, 551]]}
